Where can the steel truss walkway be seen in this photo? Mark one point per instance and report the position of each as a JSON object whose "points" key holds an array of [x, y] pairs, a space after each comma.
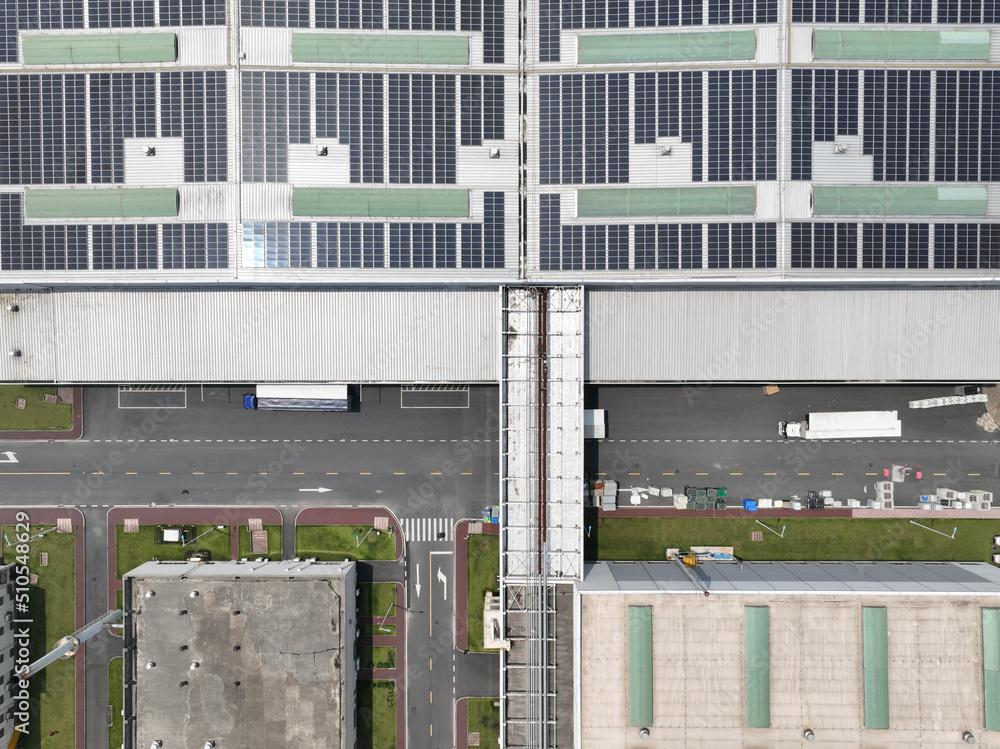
{"points": [[541, 491]]}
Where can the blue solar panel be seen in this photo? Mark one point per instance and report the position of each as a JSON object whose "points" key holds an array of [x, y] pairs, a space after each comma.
{"points": [[583, 129]]}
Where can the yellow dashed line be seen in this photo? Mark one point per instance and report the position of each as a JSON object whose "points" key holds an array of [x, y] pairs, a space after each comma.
{"points": [[333, 474], [436, 473], [770, 474], [836, 474], [164, 473], [662, 474], [365, 473], [633, 474], [399, 474], [467, 474], [940, 474], [701, 474], [298, 473], [431, 694], [602, 473], [735, 474], [803, 474], [232, 473], [131, 473], [871, 474], [973, 474]]}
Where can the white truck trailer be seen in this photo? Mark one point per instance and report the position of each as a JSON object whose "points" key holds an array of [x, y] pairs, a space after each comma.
{"points": [[841, 425], [332, 397]]}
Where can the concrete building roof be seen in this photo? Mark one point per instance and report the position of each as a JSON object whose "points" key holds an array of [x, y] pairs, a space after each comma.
{"points": [[811, 670], [244, 654]]}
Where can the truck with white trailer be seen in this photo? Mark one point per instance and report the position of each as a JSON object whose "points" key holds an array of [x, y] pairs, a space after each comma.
{"points": [[308, 397], [840, 425]]}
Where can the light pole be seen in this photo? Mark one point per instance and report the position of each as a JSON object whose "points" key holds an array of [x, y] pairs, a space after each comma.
{"points": [[391, 605]]}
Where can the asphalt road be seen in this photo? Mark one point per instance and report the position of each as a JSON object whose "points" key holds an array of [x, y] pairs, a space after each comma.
{"points": [[727, 436], [426, 463]]}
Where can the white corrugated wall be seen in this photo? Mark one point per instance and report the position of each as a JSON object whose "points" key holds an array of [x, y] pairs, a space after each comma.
{"points": [[214, 335], [793, 335]]}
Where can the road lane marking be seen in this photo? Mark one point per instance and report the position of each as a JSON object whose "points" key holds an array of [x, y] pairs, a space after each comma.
{"points": [[940, 474], [131, 473], [232, 473], [365, 473], [298, 473], [164, 473], [633, 474], [431, 695], [770, 474], [803, 474], [973, 474], [466, 474], [332, 474], [701, 474], [198, 473], [602, 473], [399, 474], [36, 473], [871, 474], [836, 474], [662, 474], [735, 474], [436, 473]]}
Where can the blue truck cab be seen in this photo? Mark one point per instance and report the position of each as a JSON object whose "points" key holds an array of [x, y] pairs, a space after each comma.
{"points": [[250, 401]]}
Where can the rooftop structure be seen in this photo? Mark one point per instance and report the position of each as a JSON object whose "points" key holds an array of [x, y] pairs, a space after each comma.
{"points": [[900, 654], [320, 141], [241, 653]]}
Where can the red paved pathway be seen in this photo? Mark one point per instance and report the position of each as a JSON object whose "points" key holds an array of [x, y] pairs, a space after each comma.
{"points": [[234, 517], [48, 516]]}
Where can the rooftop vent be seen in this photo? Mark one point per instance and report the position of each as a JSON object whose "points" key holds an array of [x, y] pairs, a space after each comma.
{"points": [[149, 151], [840, 148]]}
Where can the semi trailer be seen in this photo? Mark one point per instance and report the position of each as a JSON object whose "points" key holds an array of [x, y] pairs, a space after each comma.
{"points": [[839, 425], [299, 398]]}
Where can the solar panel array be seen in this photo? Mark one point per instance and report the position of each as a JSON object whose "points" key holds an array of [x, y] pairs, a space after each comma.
{"points": [[486, 16], [119, 247], [555, 16], [895, 245], [896, 122], [422, 113], [656, 246], [391, 244], [44, 124], [894, 11], [584, 123]]}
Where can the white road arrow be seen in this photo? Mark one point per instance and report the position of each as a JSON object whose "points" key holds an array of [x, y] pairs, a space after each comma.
{"points": [[443, 579], [416, 585], [318, 489], [8, 458]]}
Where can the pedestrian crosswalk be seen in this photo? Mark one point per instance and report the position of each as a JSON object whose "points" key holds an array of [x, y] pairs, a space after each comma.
{"points": [[427, 529]]}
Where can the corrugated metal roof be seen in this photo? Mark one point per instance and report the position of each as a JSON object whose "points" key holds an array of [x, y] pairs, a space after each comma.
{"points": [[221, 335], [792, 335]]}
